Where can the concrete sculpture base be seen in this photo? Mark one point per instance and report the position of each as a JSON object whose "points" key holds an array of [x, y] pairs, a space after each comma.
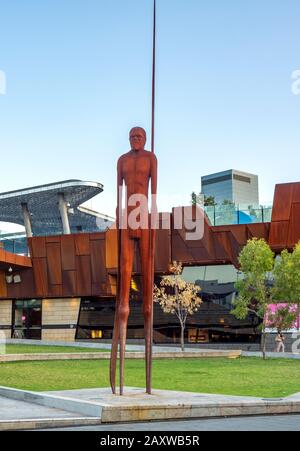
{"points": [[136, 405]]}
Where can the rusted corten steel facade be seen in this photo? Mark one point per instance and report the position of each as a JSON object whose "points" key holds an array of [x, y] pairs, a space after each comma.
{"points": [[85, 265], [20, 263]]}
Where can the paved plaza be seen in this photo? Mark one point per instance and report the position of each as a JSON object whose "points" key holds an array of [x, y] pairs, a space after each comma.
{"points": [[20, 415], [268, 423], [11, 409]]}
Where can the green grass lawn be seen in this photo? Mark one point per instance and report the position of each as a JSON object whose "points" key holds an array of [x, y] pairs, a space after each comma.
{"points": [[28, 349], [243, 376]]}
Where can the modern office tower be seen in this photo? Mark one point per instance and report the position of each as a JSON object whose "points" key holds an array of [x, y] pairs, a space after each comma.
{"points": [[234, 186]]}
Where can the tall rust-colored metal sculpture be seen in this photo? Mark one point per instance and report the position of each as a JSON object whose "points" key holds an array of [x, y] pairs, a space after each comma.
{"points": [[135, 170]]}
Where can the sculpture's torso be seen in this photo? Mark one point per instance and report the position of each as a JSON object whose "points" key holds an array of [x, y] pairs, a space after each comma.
{"points": [[135, 170]]}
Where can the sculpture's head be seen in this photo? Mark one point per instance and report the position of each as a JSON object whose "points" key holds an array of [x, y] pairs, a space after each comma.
{"points": [[137, 138]]}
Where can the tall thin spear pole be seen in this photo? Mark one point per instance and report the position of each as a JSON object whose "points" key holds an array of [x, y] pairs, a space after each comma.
{"points": [[153, 79], [149, 332]]}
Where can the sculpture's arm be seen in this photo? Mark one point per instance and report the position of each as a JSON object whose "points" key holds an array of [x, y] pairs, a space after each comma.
{"points": [[154, 183], [119, 192]]}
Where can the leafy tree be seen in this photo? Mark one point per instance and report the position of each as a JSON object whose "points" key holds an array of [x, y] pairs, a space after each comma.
{"points": [[227, 202], [287, 279], [282, 319], [178, 297], [209, 201], [254, 292], [197, 199], [194, 199]]}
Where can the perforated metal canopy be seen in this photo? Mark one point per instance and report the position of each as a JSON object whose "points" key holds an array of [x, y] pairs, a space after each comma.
{"points": [[42, 203]]}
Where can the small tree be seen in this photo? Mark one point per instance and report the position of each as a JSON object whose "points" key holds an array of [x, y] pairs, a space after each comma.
{"points": [[209, 201], [282, 319], [254, 292], [227, 202], [199, 199], [196, 199], [178, 297], [287, 279]]}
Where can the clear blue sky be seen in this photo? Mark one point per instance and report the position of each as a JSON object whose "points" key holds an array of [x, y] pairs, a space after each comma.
{"points": [[79, 76]]}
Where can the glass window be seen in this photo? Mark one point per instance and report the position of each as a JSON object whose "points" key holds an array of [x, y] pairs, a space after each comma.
{"points": [[27, 319]]}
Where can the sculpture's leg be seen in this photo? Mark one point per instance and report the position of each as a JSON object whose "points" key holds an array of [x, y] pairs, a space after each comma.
{"points": [[114, 350], [147, 277], [115, 338], [126, 263]]}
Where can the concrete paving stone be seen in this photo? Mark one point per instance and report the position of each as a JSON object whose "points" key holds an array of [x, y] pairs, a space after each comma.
{"points": [[20, 415], [79, 407], [11, 409], [48, 423]]}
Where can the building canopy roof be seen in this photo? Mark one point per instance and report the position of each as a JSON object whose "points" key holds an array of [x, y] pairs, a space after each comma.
{"points": [[42, 203]]}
